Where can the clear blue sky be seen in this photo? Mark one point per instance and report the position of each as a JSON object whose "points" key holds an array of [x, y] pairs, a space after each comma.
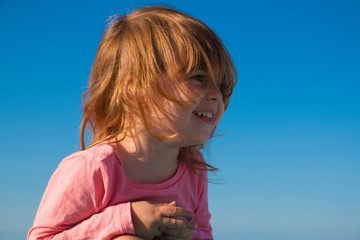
{"points": [[290, 154]]}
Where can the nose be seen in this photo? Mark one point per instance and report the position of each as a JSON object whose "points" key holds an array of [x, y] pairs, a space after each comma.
{"points": [[214, 93]]}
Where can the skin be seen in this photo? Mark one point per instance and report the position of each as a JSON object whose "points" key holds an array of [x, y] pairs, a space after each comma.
{"points": [[199, 93], [151, 161]]}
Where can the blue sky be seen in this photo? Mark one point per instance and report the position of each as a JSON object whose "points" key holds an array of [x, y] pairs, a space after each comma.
{"points": [[289, 156]]}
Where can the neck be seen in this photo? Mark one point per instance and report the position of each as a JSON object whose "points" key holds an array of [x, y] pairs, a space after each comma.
{"points": [[147, 160]]}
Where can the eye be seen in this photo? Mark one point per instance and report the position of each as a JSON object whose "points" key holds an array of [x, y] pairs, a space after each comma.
{"points": [[199, 78]]}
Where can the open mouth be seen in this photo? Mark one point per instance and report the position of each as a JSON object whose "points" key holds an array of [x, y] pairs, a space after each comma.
{"points": [[205, 115]]}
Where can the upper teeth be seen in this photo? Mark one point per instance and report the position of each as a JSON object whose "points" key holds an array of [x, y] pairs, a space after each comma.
{"points": [[205, 114]]}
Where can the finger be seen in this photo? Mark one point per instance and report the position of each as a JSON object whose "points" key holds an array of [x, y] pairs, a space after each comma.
{"points": [[178, 232], [173, 203], [177, 212], [179, 223]]}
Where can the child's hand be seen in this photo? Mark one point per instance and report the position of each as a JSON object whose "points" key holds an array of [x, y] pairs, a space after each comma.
{"points": [[150, 219]]}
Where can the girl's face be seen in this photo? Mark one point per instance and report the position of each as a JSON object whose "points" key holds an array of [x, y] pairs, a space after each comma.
{"points": [[194, 121]]}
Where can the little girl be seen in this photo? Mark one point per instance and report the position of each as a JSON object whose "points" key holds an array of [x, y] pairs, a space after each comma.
{"points": [[159, 85]]}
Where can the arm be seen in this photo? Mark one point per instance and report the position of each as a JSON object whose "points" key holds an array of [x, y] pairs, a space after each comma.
{"points": [[201, 213], [203, 229], [74, 205], [152, 219], [201, 219]]}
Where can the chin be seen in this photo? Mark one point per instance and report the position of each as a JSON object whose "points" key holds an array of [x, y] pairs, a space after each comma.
{"points": [[200, 140]]}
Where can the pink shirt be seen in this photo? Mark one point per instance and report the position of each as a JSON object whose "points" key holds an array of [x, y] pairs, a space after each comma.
{"points": [[89, 195]]}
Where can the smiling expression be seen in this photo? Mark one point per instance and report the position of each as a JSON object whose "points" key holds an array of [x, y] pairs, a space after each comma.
{"points": [[192, 122]]}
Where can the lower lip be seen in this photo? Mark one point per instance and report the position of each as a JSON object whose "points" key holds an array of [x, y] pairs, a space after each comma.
{"points": [[204, 119]]}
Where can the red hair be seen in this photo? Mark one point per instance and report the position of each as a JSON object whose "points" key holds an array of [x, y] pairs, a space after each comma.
{"points": [[134, 53]]}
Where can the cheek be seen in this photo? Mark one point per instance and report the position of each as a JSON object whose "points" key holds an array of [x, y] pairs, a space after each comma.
{"points": [[221, 109], [187, 93]]}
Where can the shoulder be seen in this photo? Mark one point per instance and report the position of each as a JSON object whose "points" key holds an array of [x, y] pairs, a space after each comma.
{"points": [[97, 155], [196, 166], [91, 167], [196, 157], [197, 162]]}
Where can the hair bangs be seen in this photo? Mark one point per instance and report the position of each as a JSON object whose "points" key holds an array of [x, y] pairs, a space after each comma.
{"points": [[201, 49], [138, 56]]}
